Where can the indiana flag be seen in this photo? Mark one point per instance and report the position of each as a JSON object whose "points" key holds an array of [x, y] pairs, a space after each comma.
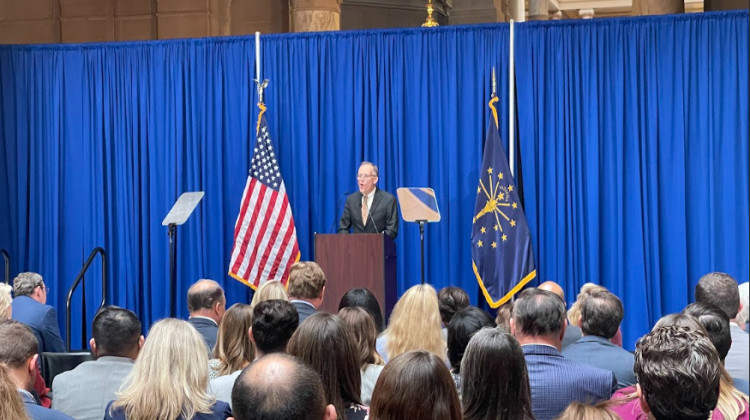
{"points": [[265, 239], [501, 252]]}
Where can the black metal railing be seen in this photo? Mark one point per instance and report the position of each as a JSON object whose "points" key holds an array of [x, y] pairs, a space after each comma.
{"points": [[6, 257], [76, 282]]}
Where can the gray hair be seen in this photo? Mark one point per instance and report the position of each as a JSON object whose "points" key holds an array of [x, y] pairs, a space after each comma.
{"points": [[25, 283], [742, 315], [372, 165], [5, 300]]}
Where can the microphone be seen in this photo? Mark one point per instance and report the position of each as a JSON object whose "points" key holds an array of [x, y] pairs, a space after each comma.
{"points": [[369, 217], [338, 206]]}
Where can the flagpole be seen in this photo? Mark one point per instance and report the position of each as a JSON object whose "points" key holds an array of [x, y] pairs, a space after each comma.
{"points": [[511, 102]]}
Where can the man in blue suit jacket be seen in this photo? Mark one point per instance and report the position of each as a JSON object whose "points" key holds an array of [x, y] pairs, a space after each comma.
{"points": [[18, 351], [538, 324], [206, 305], [601, 315], [30, 308]]}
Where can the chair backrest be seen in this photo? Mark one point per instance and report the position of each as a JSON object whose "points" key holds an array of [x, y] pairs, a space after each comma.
{"points": [[53, 364]]}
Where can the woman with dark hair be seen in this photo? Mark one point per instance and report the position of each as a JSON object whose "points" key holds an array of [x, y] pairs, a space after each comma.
{"points": [[491, 354], [327, 345], [363, 298], [370, 363], [417, 386], [463, 325]]}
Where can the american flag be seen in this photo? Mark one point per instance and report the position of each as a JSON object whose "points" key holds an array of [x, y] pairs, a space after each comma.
{"points": [[265, 239]]}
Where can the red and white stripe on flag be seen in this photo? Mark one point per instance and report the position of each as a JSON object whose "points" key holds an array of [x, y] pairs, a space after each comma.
{"points": [[265, 239]]}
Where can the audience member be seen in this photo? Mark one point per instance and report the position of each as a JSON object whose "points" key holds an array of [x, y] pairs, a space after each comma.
{"points": [[5, 302], [363, 298], [18, 351], [578, 411], [721, 289], [273, 323], [269, 290], [450, 300], [539, 326], [732, 404], [30, 308], [169, 379], [504, 314], [464, 323], [417, 386], [415, 324], [206, 304], [678, 373], [495, 381], [233, 350], [717, 326], [83, 393], [306, 288], [325, 343], [11, 404], [743, 315], [371, 364], [572, 330], [601, 315], [279, 387]]}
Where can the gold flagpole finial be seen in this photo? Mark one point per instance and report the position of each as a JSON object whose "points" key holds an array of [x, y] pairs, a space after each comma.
{"points": [[430, 22]]}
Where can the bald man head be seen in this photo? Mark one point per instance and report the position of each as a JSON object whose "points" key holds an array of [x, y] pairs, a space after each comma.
{"points": [[553, 287], [206, 298], [280, 387]]}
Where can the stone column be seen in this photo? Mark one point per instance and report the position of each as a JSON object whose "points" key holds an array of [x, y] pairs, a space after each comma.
{"points": [[586, 13], [516, 10], [658, 7], [538, 10], [467, 12], [315, 15]]}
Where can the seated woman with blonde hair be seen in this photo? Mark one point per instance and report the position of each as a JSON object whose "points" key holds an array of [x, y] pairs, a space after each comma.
{"points": [[169, 379], [415, 324], [233, 350], [269, 290]]}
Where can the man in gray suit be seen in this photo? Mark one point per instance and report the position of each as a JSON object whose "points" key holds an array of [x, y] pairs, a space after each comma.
{"points": [[720, 289], [306, 288], [83, 393], [601, 315]]}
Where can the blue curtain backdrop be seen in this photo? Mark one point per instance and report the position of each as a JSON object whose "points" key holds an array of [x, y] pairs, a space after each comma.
{"points": [[634, 143], [633, 139]]}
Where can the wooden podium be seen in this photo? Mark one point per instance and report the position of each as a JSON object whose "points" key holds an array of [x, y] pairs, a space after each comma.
{"points": [[357, 260]]}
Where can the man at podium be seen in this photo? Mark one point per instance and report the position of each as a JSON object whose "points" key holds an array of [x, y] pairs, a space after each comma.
{"points": [[371, 210]]}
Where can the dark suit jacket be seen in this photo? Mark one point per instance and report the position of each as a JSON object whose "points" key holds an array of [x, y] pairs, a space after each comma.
{"points": [[304, 309], [219, 411], [42, 319], [600, 352], [572, 334], [37, 412], [208, 329], [383, 215], [556, 381]]}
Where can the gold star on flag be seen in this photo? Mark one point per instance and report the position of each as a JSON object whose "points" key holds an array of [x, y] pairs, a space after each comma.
{"points": [[510, 188], [512, 222], [494, 244], [496, 228], [515, 205], [479, 189], [489, 170], [500, 175], [479, 244], [501, 196], [505, 237], [484, 230]]}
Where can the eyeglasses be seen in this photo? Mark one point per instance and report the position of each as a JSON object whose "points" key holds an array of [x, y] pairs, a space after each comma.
{"points": [[364, 176]]}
